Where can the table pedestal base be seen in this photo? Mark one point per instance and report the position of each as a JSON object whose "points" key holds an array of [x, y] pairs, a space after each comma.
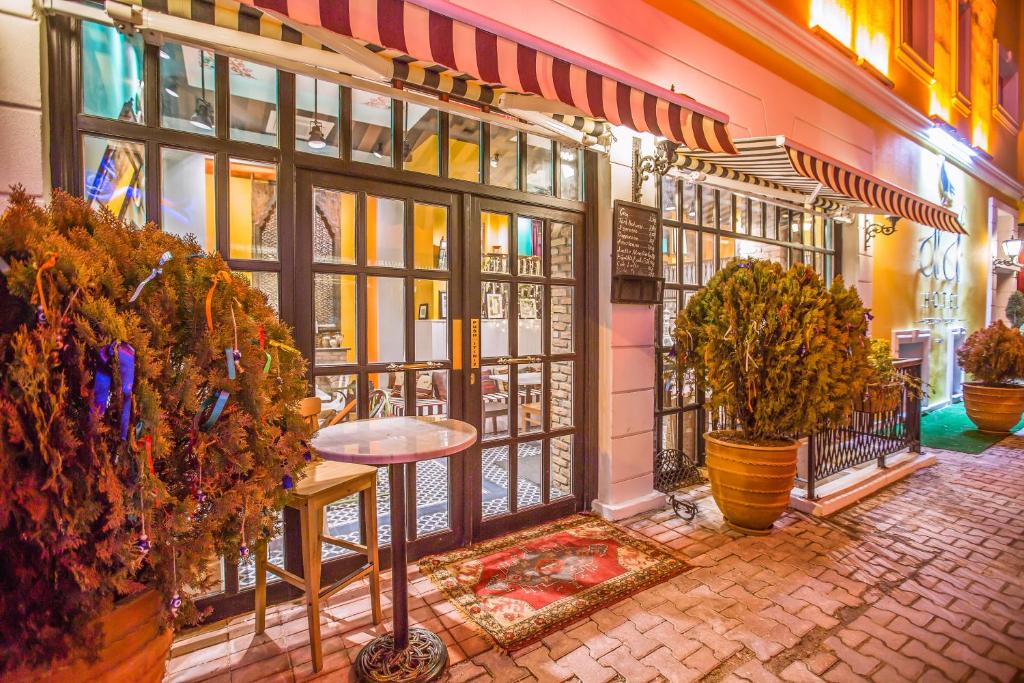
{"points": [[424, 660]]}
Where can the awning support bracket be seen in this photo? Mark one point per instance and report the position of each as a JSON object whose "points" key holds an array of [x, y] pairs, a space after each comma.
{"points": [[879, 229], [658, 163]]}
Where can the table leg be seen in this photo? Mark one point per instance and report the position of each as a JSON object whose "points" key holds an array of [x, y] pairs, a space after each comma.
{"points": [[405, 655]]}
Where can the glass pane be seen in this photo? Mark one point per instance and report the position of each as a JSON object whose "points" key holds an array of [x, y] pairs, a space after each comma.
{"points": [[689, 257], [531, 395], [432, 393], [529, 246], [538, 164], [819, 263], [494, 393], [420, 152], [385, 232], [115, 177], [670, 198], [432, 486], [771, 225], [266, 282], [317, 116], [690, 434], [829, 272], [828, 227], [688, 206], [707, 206], [371, 128], [247, 568], [431, 300], [561, 250], [570, 172], [504, 161], [669, 382], [340, 398], [387, 394], [670, 254], [560, 390], [187, 198], [761, 250], [560, 481], [670, 430], [430, 237], [795, 222], [215, 571], [111, 73], [494, 315], [334, 226], [756, 218], [529, 474], [741, 215], [807, 226], [188, 89], [561, 319], [707, 256], [726, 251], [334, 331], [494, 229], [253, 103], [531, 320], [669, 313], [252, 213], [463, 148], [385, 319], [494, 475], [726, 212], [796, 256]]}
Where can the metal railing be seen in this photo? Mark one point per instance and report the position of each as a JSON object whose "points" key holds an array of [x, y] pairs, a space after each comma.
{"points": [[866, 436]]}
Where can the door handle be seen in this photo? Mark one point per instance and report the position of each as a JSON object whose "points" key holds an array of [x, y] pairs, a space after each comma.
{"points": [[429, 365], [505, 360]]}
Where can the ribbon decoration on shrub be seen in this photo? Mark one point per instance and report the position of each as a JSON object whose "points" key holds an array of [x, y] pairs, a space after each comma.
{"points": [[152, 275], [218, 277], [50, 262], [104, 377]]}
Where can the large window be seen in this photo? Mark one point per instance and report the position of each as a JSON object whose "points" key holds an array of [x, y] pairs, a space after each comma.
{"points": [[1009, 84], [917, 29], [963, 50], [703, 230]]}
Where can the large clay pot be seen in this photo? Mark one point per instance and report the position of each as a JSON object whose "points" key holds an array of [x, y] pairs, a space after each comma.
{"points": [[879, 398], [136, 639], [996, 409], [751, 484]]}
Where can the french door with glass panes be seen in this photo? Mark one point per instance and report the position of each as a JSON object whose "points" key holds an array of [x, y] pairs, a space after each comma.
{"points": [[375, 303], [524, 382]]}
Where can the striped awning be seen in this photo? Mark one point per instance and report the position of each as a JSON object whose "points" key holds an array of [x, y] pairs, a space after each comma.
{"points": [[780, 162], [445, 40]]}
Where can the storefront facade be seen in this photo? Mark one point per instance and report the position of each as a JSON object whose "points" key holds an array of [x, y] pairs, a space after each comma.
{"points": [[437, 256]]}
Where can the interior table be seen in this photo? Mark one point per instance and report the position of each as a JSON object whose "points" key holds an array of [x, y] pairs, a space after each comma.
{"points": [[405, 654]]}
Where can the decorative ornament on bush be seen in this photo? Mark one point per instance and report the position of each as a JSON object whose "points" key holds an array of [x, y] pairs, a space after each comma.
{"points": [[130, 446]]}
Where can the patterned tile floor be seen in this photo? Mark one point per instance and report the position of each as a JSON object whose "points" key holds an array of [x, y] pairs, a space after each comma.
{"points": [[922, 582]]}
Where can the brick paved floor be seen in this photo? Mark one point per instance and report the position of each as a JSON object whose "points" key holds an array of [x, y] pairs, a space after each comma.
{"points": [[923, 581]]}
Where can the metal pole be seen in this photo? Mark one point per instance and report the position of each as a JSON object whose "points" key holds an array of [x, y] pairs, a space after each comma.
{"points": [[399, 583]]}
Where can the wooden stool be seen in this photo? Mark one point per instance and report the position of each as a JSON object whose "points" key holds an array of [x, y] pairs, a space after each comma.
{"points": [[325, 482]]}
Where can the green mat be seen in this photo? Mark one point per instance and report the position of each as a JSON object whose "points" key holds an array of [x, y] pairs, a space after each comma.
{"points": [[950, 429]]}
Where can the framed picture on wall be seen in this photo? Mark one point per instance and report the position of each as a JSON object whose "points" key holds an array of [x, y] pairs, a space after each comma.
{"points": [[528, 309], [442, 305], [424, 311], [495, 306]]}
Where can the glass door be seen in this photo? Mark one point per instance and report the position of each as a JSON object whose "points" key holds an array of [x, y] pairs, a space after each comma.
{"points": [[524, 382], [375, 306]]}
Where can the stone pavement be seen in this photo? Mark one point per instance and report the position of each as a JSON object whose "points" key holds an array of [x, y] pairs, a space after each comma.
{"points": [[923, 581]]}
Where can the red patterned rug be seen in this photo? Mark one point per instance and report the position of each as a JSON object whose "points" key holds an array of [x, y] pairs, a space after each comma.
{"points": [[520, 587]]}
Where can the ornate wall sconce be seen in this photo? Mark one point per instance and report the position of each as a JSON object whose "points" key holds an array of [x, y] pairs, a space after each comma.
{"points": [[1011, 250], [879, 229], [644, 166]]}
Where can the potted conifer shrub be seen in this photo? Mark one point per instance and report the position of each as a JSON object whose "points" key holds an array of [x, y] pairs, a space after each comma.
{"points": [[147, 425], [1015, 309], [781, 355], [994, 356]]}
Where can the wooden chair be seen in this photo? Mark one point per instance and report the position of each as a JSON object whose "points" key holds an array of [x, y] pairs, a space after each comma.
{"points": [[325, 482]]}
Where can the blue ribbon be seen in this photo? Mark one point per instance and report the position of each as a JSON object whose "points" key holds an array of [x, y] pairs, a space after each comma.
{"points": [[167, 256], [104, 377]]}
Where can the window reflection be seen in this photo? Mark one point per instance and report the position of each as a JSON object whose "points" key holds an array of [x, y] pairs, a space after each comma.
{"points": [[494, 304], [529, 246], [111, 73], [431, 308], [371, 128], [187, 205], [115, 177], [531, 318], [334, 226], [463, 148], [253, 104], [504, 161], [385, 319], [334, 322], [420, 153], [339, 397], [669, 198], [430, 237], [494, 229], [385, 232], [265, 282], [252, 213], [538, 164], [570, 172], [317, 116], [187, 89], [670, 254]]}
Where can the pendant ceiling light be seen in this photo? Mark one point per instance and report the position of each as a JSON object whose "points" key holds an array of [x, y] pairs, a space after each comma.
{"points": [[202, 118], [315, 140]]}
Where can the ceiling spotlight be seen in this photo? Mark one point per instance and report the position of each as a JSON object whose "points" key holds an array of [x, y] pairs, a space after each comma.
{"points": [[494, 161], [378, 150], [171, 92], [164, 55], [316, 136]]}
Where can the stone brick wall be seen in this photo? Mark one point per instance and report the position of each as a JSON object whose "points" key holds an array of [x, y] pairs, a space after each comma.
{"points": [[21, 101], [562, 372]]}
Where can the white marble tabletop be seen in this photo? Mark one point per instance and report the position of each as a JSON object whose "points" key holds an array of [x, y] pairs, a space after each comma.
{"points": [[393, 440]]}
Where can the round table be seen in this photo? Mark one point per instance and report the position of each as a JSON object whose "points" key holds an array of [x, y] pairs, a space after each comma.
{"points": [[405, 654]]}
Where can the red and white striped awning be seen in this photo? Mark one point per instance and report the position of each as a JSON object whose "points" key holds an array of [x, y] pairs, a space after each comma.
{"points": [[790, 165], [524, 67]]}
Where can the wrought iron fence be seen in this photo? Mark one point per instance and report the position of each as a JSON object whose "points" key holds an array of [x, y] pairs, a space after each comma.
{"points": [[868, 435]]}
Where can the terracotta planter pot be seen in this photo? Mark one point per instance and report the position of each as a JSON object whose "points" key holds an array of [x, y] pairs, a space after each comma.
{"points": [[751, 484], [134, 648], [879, 398], [995, 409]]}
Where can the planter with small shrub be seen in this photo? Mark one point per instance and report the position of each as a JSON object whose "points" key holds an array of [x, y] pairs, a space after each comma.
{"points": [[994, 356]]}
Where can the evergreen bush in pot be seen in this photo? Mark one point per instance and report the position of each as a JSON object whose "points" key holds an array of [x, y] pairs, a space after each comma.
{"points": [[782, 355], [994, 356], [148, 424]]}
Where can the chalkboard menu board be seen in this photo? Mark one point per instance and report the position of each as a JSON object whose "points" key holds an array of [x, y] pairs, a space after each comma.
{"points": [[635, 232]]}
